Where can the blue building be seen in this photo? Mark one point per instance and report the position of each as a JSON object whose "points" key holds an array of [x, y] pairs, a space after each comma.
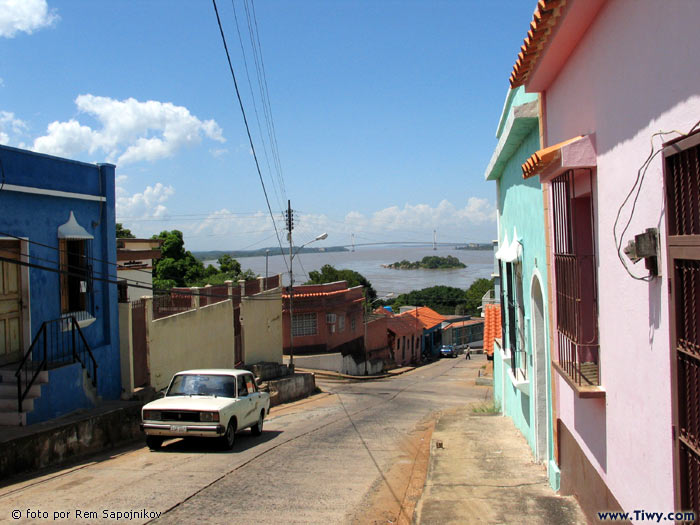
{"points": [[59, 334], [521, 370]]}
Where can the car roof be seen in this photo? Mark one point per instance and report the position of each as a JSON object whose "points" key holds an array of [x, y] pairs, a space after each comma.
{"points": [[216, 371]]}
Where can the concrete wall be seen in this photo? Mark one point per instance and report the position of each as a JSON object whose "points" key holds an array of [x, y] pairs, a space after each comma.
{"points": [[658, 91], [291, 388], [200, 338], [144, 278], [261, 320], [337, 363]]}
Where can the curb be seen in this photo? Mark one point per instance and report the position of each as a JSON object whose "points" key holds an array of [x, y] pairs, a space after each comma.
{"points": [[337, 375]]}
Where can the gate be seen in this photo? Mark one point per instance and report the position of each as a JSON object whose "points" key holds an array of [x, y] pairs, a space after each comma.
{"points": [[139, 343], [682, 189], [238, 339]]}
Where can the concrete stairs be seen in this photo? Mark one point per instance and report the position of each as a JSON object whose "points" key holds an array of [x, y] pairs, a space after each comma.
{"points": [[9, 415]]}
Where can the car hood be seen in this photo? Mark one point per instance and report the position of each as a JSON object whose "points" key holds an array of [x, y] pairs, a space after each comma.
{"points": [[190, 403]]}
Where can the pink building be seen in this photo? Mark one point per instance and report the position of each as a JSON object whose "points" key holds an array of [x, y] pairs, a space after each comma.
{"points": [[625, 342]]}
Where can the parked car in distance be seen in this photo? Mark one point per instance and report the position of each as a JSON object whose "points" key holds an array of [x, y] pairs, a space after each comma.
{"points": [[213, 403], [448, 351]]}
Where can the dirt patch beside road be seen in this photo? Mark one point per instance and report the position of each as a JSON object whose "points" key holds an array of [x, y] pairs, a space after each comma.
{"points": [[393, 497]]}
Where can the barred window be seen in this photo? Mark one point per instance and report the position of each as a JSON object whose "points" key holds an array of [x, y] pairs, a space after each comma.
{"points": [[304, 324], [341, 323]]}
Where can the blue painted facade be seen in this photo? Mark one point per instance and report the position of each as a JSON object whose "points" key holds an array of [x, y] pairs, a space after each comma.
{"points": [[522, 371], [37, 195]]}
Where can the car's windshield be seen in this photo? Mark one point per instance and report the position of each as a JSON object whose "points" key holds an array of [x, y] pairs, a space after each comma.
{"points": [[203, 385]]}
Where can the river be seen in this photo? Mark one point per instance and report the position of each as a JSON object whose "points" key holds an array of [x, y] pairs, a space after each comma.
{"points": [[368, 261]]}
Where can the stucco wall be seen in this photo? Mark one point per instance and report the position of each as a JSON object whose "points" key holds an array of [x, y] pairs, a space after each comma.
{"points": [[521, 215], [37, 217], [201, 338], [261, 319], [634, 73]]}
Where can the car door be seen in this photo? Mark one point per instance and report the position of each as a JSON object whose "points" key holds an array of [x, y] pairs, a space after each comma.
{"points": [[247, 412], [255, 396]]}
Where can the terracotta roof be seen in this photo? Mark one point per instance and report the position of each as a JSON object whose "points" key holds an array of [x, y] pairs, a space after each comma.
{"points": [[543, 22], [539, 160], [427, 317]]}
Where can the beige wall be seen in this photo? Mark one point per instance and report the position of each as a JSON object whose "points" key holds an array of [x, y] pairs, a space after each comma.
{"points": [[201, 338], [126, 354], [261, 320]]}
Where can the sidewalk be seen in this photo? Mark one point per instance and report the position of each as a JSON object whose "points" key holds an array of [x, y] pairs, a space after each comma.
{"points": [[482, 471]]}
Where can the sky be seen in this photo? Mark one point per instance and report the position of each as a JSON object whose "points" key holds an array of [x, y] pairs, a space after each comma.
{"points": [[382, 114]]}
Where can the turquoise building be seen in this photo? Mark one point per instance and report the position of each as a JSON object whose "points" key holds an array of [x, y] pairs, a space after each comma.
{"points": [[522, 371]]}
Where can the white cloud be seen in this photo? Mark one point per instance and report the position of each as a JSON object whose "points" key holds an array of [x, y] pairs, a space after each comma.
{"points": [[10, 124], [25, 16], [149, 203], [132, 131]]}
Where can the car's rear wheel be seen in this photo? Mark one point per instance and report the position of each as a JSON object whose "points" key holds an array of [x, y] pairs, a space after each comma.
{"points": [[229, 437], [154, 442], [257, 429]]}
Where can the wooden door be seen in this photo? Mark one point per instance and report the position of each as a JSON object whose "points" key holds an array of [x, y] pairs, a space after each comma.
{"points": [[11, 344]]}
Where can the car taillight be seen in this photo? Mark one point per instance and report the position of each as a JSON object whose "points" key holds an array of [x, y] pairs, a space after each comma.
{"points": [[209, 416], [151, 414]]}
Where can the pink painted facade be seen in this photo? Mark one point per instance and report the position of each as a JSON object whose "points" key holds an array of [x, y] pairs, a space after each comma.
{"points": [[619, 71]]}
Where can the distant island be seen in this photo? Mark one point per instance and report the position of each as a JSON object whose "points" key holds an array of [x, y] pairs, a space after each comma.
{"points": [[430, 262], [275, 250]]}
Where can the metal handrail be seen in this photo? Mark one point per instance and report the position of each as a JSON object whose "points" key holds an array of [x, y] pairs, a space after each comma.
{"points": [[27, 374]]}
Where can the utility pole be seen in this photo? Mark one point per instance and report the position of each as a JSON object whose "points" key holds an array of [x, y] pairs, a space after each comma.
{"points": [[290, 227]]}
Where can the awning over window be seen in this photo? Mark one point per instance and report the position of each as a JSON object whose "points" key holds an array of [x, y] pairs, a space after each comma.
{"points": [[577, 152], [71, 230], [509, 252]]}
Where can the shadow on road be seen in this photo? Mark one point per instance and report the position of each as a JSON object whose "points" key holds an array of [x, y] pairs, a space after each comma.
{"points": [[244, 441]]}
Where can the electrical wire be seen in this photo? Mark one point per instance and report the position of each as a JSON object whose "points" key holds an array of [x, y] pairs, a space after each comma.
{"points": [[245, 121], [638, 182]]}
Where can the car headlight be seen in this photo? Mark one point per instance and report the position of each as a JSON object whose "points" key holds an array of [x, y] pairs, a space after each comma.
{"points": [[209, 416], [153, 415]]}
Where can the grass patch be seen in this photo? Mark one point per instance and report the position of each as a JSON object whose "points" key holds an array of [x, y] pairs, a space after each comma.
{"points": [[487, 407]]}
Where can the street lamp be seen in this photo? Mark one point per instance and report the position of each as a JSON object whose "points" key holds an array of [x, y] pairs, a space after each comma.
{"points": [[368, 306], [291, 291]]}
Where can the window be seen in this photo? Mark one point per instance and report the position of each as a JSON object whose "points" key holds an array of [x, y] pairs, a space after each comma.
{"points": [[330, 318], [242, 387], [341, 323], [352, 323], [575, 271], [304, 324], [75, 283]]}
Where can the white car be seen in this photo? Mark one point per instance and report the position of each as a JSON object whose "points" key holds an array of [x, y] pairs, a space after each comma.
{"points": [[206, 403]]}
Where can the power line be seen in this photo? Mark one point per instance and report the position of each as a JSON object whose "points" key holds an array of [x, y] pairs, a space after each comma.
{"points": [[245, 121]]}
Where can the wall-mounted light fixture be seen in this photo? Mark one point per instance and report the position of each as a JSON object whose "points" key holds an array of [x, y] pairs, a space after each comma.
{"points": [[645, 246]]}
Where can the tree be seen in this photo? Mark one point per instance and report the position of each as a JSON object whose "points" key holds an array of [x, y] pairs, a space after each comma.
{"points": [[177, 266], [330, 274], [442, 299], [228, 264], [124, 233], [474, 294]]}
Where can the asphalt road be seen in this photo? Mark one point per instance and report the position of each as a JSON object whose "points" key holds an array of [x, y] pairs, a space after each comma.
{"points": [[322, 460]]}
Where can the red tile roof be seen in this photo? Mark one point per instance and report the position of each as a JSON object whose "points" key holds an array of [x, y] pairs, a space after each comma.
{"points": [[539, 160], [401, 326], [544, 20], [425, 316]]}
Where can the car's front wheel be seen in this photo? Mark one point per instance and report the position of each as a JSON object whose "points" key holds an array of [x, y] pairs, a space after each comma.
{"points": [[154, 442], [230, 435], [257, 429]]}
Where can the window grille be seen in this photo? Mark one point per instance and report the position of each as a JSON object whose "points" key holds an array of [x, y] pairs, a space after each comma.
{"points": [[304, 324]]}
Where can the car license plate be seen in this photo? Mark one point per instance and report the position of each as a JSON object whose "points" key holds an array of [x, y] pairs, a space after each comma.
{"points": [[178, 429]]}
